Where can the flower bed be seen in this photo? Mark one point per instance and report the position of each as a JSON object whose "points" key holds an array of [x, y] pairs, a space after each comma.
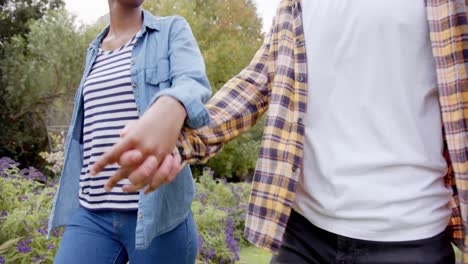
{"points": [[26, 198]]}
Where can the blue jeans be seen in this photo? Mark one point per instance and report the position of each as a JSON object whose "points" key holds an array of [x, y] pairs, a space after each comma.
{"points": [[103, 237]]}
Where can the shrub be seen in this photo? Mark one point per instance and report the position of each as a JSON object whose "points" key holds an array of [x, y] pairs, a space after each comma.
{"points": [[238, 158], [54, 158], [25, 200], [219, 210]]}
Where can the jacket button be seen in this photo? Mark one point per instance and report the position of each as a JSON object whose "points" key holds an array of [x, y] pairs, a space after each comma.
{"points": [[132, 62], [300, 78], [134, 85], [139, 216]]}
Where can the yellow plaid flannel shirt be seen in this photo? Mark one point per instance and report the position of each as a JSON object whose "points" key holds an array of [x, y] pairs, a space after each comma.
{"points": [[276, 80]]}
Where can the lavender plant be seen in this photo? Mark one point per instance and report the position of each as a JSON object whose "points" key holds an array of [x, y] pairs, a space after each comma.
{"points": [[219, 211], [25, 200], [26, 197]]}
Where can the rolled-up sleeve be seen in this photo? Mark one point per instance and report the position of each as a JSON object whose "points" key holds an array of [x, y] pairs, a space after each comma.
{"points": [[189, 83]]}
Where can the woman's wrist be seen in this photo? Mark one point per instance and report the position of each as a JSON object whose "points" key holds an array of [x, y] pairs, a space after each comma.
{"points": [[169, 108]]}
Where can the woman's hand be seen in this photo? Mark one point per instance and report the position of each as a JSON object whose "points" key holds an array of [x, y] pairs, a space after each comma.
{"points": [[145, 152]]}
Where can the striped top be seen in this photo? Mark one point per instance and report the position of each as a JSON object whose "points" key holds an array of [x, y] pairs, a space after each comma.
{"points": [[109, 104]]}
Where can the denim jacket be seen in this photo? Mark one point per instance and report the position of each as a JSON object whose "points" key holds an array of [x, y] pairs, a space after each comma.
{"points": [[165, 61]]}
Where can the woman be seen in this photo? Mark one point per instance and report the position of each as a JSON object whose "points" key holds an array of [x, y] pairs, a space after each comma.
{"points": [[139, 64]]}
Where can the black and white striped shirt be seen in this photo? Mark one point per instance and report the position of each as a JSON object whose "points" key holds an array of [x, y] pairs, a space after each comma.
{"points": [[109, 104]]}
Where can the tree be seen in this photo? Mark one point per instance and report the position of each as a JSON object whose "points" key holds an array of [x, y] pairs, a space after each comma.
{"points": [[40, 75], [15, 17], [16, 14], [228, 33]]}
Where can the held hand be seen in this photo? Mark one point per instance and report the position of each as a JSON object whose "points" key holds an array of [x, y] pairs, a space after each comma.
{"points": [[153, 178], [166, 172], [145, 144]]}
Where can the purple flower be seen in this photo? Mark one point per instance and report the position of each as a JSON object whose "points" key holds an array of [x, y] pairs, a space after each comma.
{"points": [[202, 198], [56, 233], [38, 259], [42, 231], [22, 248], [33, 174], [223, 181], [5, 164], [209, 171], [50, 247], [2, 260], [230, 241], [4, 214], [200, 245], [211, 253]]}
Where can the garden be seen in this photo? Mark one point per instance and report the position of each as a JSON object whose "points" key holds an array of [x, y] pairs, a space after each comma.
{"points": [[37, 84], [26, 196], [42, 56]]}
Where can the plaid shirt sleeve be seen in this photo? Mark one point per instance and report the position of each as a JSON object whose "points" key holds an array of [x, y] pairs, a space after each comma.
{"points": [[448, 28], [235, 108]]}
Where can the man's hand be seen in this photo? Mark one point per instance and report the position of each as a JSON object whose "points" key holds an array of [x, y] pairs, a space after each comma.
{"points": [[165, 173], [145, 151]]}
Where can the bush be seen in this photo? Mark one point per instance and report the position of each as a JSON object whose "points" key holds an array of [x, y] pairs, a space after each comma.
{"points": [[25, 202], [26, 198], [238, 158], [55, 158], [219, 210]]}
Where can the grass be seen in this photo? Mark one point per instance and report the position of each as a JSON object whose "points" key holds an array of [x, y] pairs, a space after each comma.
{"points": [[253, 255]]}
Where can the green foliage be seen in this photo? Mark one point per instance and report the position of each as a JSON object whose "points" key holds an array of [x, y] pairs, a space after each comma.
{"points": [[15, 15], [40, 75], [218, 210], [24, 209], [238, 159], [15, 19], [55, 159], [229, 34], [219, 213]]}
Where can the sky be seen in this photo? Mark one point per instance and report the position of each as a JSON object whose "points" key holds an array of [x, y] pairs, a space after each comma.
{"points": [[88, 11]]}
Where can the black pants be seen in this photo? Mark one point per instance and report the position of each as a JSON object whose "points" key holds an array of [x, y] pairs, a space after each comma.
{"points": [[305, 243]]}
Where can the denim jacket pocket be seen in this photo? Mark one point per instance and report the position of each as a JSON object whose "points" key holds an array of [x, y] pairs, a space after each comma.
{"points": [[158, 77]]}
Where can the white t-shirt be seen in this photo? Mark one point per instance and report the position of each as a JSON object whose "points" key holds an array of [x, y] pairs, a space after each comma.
{"points": [[373, 165]]}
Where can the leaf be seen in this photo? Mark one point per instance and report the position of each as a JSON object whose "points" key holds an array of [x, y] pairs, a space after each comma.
{"points": [[5, 246]]}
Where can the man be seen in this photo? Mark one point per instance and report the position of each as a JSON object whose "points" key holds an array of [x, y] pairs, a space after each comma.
{"points": [[359, 161]]}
